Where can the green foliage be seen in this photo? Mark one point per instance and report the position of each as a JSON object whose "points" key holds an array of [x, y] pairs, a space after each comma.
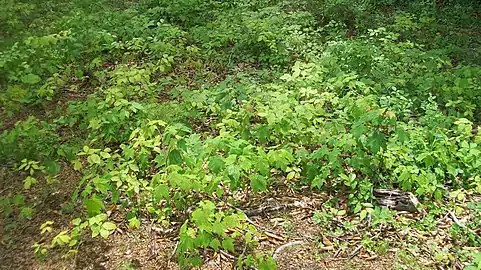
{"points": [[168, 108], [29, 139], [476, 262], [209, 228]]}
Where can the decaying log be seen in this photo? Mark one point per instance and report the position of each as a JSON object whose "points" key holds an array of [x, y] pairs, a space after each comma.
{"points": [[397, 200]]}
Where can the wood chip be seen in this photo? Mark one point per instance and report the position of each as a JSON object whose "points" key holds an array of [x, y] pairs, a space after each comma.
{"points": [[326, 241], [327, 248]]}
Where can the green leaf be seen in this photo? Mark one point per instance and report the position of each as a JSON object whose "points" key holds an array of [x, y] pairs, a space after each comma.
{"points": [[219, 228], [134, 223], [201, 215], [215, 244], [234, 174], [77, 165], [161, 192], [134, 167], [94, 158], [258, 182], [94, 205], [216, 164], [76, 221], [232, 221], [280, 158], [402, 134], [174, 157], [263, 134], [267, 264], [363, 214], [105, 154], [318, 181], [29, 181], [104, 233], [101, 184], [31, 79], [64, 239], [376, 142], [72, 242], [26, 212], [18, 200], [228, 244], [109, 226]]}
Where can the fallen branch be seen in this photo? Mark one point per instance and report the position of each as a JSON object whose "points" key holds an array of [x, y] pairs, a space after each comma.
{"points": [[288, 245]]}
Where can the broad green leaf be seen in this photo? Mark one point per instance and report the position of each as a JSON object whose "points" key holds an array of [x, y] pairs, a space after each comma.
{"points": [[161, 192], [228, 244], [363, 214], [258, 182], [318, 181], [215, 244], [376, 142], [134, 223], [101, 184], [29, 181], [76, 221], [105, 154], [216, 164], [31, 79], [174, 157], [402, 134], [94, 159], [109, 226], [219, 228], [77, 165], [263, 134], [94, 205], [64, 239], [104, 233], [26, 212], [267, 264]]}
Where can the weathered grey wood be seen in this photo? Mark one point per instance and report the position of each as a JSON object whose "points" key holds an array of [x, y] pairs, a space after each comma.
{"points": [[396, 199]]}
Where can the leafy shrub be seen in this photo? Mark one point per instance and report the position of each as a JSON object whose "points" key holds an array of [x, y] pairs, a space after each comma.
{"points": [[30, 139]]}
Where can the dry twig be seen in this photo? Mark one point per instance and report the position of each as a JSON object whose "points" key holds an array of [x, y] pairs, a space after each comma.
{"points": [[355, 252]]}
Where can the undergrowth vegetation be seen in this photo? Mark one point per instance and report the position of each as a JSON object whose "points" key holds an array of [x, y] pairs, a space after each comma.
{"points": [[170, 109]]}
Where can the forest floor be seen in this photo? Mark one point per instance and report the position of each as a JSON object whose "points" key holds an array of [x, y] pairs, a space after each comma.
{"points": [[285, 219]]}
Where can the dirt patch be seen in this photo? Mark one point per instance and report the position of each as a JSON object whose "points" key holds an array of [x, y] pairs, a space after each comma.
{"points": [[49, 202]]}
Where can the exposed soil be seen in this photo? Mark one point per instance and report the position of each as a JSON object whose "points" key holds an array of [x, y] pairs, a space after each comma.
{"points": [[49, 201]]}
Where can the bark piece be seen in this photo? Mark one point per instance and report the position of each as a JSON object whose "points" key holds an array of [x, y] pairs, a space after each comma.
{"points": [[397, 200]]}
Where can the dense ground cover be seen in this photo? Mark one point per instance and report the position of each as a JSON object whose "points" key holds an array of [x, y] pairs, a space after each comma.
{"points": [[183, 117]]}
